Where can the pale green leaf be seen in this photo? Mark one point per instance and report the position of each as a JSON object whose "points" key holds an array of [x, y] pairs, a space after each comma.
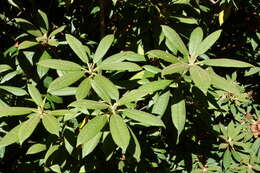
{"points": [[52, 149], [28, 27], [200, 77], [59, 64], [161, 103], [195, 40], [59, 112], [11, 137], [77, 47], [160, 54], [120, 66], [35, 94], [90, 145], [56, 31], [11, 111], [40, 69], [43, 21], [51, 124], [119, 131], [101, 92], [137, 152], [68, 91], [4, 67], [83, 89], [143, 117], [36, 148], [14, 90], [223, 62], [27, 44], [88, 104], [103, 47], [175, 68], [91, 129]]}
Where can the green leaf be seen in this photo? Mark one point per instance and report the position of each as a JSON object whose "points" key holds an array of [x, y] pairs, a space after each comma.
{"points": [[90, 145], [4, 67], [118, 57], [143, 117], [162, 55], [161, 104], [142, 91], [119, 131], [77, 47], [68, 91], [222, 62], [175, 68], [100, 90], [28, 27], [11, 111], [28, 127], [40, 69], [59, 112], [14, 90], [195, 40], [27, 44], [106, 86], [200, 77], [227, 159], [120, 66], [52, 149], [43, 21], [35, 94], [208, 42], [36, 148], [91, 129], [83, 89], [103, 47], [11, 137], [88, 104], [65, 80], [56, 31], [173, 37], [59, 64], [178, 112], [137, 152], [51, 124]]}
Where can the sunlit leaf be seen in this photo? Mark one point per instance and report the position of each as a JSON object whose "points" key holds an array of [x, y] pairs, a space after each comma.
{"points": [[51, 124], [103, 47]]}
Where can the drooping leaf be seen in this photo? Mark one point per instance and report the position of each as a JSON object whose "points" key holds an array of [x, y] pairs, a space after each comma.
{"points": [[13, 111], [103, 47], [83, 89], [200, 77], [178, 112], [52, 149], [77, 47], [175, 68], [11, 137], [91, 129], [162, 55], [56, 31], [4, 67], [195, 40], [120, 66], [35, 94], [40, 69], [14, 90], [223, 62], [43, 21], [28, 27], [65, 80], [51, 124], [137, 152], [88, 104], [161, 104], [173, 37], [208, 42], [10, 75], [100, 90], [27, 44], [143, 117], [90, 145], [28, 127], [36, 148], [119, 131], [59, 64]]}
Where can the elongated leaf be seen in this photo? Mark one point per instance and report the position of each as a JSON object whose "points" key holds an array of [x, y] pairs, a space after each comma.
{"points": [[4, 67], [14, 90], [175, 68], [11, 137], [27, 44], [44, 23], [40, 69], [208, 42], [89, 146], [161, 104], [143, 117], [119, 131], [120, 66], [222, 62], [56, 31], [88, 104], [10, 75], [195, 40], [103, 47], [28, 127], [144, 90], [173, 37], [119, 57], [83, 89], [137, 152], [101, 92], [200, 77], [11, 111], [50, 152], [162, 55], [65, 80], [68, 91], [59, 112], [59, 64], [51, 124], [91, 129], [107, 86], [35, 94], [77, 47], [36, 148], [178, 111], [28, 27]]}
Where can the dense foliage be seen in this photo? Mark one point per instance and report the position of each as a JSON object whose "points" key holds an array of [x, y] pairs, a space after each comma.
{"points": [[129, 86]]}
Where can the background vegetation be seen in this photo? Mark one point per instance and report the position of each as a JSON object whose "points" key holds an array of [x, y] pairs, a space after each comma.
{"points": [[129, 86]]}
